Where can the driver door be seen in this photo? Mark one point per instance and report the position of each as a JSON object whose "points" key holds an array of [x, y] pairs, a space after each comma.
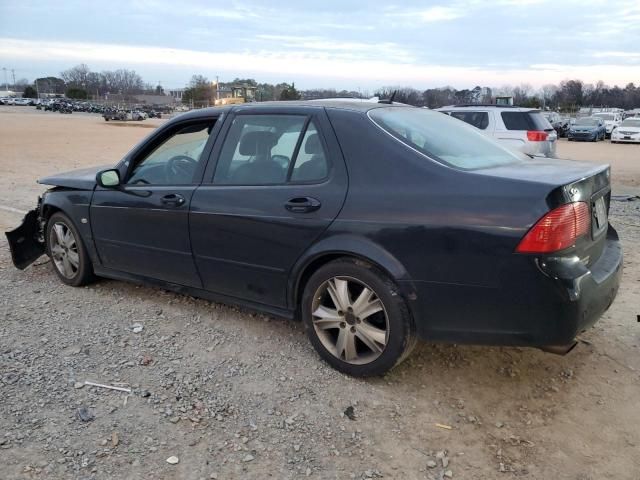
{"points": [[142, 227]]}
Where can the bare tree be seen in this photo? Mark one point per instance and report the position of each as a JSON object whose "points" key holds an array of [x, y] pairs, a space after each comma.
{"points": [[76, 76]]}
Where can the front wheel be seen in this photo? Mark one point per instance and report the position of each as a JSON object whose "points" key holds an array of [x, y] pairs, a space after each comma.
{"points": [[68, 254], [356, 319]]}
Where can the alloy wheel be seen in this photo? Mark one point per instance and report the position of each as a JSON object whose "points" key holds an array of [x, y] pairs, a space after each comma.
{"points": [[350, 320], [64, 250]]}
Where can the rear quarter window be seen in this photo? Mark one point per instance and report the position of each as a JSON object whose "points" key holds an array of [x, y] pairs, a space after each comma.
{"points": [[477, 119], [525, 121]]}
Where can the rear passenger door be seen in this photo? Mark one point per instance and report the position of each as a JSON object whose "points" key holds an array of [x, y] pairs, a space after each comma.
{"points": [[277, 182]]}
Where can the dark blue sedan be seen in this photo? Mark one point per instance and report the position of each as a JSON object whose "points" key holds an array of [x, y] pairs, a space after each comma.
{"points": [[590, 129], [374, 223]]}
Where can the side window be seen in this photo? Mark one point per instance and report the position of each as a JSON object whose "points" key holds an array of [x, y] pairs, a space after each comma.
{"points": [[311, 162], [477, 119], [175, 160], [266, 149]]}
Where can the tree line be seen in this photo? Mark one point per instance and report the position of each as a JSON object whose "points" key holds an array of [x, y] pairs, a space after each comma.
{"points": [[568, 96], [80, 82]]}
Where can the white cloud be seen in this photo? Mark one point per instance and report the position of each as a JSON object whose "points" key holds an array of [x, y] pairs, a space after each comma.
{"points": [[617, 54], [440, 14], [429, 15], [307, 67], [338, 49]]}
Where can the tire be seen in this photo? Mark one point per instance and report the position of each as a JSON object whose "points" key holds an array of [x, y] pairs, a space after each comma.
{"points": [[69, 258], [383, 313]]}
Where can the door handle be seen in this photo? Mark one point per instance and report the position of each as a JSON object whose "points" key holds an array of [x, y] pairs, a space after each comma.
{"points": [[303, 205], [172, 200]]}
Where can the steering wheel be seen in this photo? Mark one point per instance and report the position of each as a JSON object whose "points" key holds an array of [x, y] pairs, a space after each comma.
{"points": [[181, 167]]}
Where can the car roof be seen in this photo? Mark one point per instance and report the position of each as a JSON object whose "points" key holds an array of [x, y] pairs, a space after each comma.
{"points": [[355, 105], [507, 108]]}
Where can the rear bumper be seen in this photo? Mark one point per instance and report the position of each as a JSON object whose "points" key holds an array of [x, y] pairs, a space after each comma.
{"points": [[540, 303], [589, 291], [546, 148], [627, 140]]}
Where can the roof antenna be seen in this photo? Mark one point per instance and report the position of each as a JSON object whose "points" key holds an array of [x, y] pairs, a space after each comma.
{"points": [[390, 99]]}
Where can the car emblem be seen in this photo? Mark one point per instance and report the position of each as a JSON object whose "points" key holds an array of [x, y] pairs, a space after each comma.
{"points": [[574, 192]]}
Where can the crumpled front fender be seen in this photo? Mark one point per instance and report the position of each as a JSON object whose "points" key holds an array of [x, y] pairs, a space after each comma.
{"points": [[26, 241]]}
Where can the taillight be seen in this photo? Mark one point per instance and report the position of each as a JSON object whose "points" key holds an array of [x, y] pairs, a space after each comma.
{"points": [[537, 136], [557, 230]]}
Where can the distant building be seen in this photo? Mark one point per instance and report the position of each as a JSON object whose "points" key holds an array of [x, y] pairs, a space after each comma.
{"points": [[176, 94], [9, 93], [505, 101], [154, 99]]}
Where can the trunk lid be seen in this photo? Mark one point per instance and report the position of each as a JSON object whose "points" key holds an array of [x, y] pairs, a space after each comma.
{"points": [[565, 182]]}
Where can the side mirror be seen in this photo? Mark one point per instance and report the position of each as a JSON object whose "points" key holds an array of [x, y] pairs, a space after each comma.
{"points": [[108, 178]]}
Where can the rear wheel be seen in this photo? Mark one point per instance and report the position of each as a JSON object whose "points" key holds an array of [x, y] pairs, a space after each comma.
{"points": [[68, 255], [355, 318]]}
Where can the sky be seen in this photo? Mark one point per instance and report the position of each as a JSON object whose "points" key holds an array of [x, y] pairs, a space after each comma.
{"points": [[342, 44]]}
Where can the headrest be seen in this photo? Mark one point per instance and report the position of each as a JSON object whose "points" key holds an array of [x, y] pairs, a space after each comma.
{"points": [[312, 145], [253, 143]]}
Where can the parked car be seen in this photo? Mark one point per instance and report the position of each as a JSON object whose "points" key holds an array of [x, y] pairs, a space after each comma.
{"points": [[522, 129], [123, 115], [375, 223], [559, 124], [138, 115], [627, 132], [23, 102], [611, 121], [587, 128]]}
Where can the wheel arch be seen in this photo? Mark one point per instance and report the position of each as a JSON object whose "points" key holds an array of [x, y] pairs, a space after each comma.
{"points": [[351, 246], [75, 205]]}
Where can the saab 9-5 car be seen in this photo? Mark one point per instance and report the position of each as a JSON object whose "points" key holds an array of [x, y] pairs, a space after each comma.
{"points": [[375, 223]]}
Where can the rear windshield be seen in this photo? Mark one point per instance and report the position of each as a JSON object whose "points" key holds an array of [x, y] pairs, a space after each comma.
{"points": [[525, 121], [590, 122], [631, 122], [443, 138], [605, 116]]}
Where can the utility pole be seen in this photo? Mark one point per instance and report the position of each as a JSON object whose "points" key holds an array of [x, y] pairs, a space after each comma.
{"points": [[6, 85], [13, 74]]}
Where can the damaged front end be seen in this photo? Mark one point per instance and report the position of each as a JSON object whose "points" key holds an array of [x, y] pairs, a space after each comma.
{"points": [[27, 241]]}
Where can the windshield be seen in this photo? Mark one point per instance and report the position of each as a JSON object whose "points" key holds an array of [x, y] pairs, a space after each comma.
{"points": [[443, 138], [587, 122], [631, 122], [606, 116]]}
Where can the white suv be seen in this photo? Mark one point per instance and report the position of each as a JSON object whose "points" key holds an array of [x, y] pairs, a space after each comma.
{"points": [[523, 129], [611, 120]]}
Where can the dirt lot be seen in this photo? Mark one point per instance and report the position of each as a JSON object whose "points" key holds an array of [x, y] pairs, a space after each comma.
{"points": [[234, 394]]}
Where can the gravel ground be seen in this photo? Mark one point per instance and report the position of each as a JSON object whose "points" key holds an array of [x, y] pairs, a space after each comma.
{"points": [[234, 394]]}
